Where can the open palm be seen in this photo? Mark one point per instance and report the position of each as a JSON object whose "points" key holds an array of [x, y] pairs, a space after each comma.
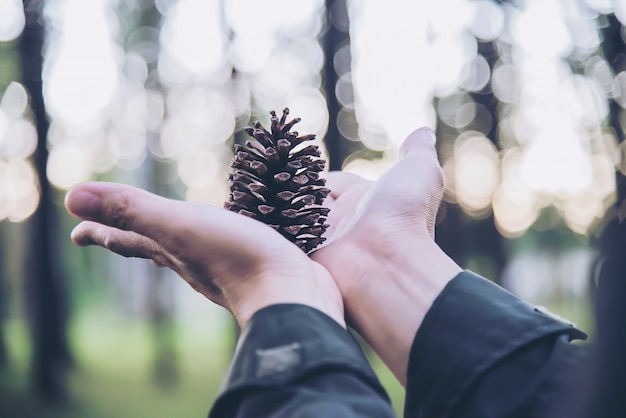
{"points": [[233, 260], [383, 215]]}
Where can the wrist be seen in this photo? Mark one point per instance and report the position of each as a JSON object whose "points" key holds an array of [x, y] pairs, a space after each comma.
{"points": [[392, 287], [312, 287]]}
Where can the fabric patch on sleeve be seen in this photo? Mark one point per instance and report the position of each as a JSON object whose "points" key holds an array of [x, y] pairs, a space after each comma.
{"points": [[278, 359]]}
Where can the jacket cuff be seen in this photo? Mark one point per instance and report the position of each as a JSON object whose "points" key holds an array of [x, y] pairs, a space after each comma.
{"points": [[283, 343], [472, 325]]}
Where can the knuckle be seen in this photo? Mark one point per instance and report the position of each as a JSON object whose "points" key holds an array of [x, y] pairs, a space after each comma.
{"points": [[154, 252], [113, 245], [119, 214], [159, 259], [107, 243]]}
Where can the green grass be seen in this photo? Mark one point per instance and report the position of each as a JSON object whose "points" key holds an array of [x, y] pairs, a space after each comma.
{"points": [[114, 377], [114, 374], [114, 371]]}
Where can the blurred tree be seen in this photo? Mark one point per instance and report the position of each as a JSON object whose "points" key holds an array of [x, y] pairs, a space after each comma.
{"points": [[460, 236], [160, 306], [487, 238], [3, 309], [45, 284], [609, 382], [613, 49], [9, 72], [337, 36], [615, 53], [452, 222]]}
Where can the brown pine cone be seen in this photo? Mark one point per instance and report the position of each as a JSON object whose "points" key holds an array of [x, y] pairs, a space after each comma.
{"points": [[278, 183]]}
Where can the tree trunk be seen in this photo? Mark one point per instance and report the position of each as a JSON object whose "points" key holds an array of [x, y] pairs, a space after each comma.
{"points": [[337, 35], [610, 378], [45, 285], [490, 241], [451, 229], [3, 309], [165, 368]]}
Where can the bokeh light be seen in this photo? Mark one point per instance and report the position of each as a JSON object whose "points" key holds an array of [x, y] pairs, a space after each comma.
{"points": [[19, 195], [11, 19], [525, 97], [193, 43], [488, 20], [178, 89], [515, 206], [81, 79], [476, 172], [67, 166], [549, 115]]}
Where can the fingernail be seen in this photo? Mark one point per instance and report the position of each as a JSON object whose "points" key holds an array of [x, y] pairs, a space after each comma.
{"points": [[84, 204]]}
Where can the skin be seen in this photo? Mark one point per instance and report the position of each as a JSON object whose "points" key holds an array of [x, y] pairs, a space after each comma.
{"points": [[380, 260], [236, 262], [381, 251]]}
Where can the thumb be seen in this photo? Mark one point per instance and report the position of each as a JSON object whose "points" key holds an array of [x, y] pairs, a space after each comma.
{"points": [[417, 174], [418, 167], [419, 142], [413, 187]]}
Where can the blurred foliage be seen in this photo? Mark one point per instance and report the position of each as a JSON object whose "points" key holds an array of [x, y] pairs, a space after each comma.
{"points": [[9, 65], [527, 104], [115, 379]]}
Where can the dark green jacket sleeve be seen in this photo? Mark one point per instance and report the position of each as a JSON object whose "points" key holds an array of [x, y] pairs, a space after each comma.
{"points": [[483, 352], [294, 361]]}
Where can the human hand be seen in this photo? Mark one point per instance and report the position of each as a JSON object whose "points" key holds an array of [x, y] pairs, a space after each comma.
{"points": [[410, 192], [235, 261], [381, 252]]}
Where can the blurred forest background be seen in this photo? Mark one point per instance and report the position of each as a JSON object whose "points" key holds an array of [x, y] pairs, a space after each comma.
{"points": [[527, 98]]}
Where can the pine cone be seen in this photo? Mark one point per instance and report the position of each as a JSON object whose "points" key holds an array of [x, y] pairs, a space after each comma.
{"points": [[278, 185]]}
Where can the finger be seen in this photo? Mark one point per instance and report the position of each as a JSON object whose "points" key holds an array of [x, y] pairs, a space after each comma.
{"points": [[180, 228], [418, 171], [414, 185], [420, 160], [339, 182], [123, 207], [420, 142], [125, 243]]}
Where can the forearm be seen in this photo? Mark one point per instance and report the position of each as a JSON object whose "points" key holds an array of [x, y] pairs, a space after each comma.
{"points": [[388, 312]]}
